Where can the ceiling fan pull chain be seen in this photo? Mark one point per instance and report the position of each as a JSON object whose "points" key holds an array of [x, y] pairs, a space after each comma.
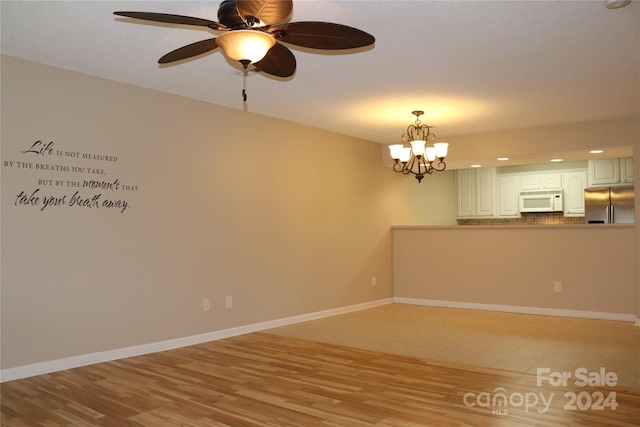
{"points": [[244, 86]]}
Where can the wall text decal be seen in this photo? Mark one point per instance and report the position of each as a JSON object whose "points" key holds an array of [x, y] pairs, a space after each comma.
{"points": [[87, 186]]}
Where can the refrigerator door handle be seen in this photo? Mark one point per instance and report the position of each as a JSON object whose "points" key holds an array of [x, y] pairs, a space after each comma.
{"points": [[611, 215]]}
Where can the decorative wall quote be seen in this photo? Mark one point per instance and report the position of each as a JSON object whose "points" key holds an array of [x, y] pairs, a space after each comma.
{"points": [[87, 186]]}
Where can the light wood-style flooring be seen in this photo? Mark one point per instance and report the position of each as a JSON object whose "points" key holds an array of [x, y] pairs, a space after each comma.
{"points": [[271, 379], [508, 341]]}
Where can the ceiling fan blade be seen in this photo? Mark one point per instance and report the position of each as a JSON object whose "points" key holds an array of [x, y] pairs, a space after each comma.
{"points": [[188, 51], [279, 62], [322, 35], [268, 11], [172, 19]]}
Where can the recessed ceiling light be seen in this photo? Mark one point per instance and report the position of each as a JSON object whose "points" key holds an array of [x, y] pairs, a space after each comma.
{"points": [[502, 159], [596, 151], [556, 160], [476, 166]]}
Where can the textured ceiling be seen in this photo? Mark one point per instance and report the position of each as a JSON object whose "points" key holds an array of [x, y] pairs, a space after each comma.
{"points": [[472, 66]]}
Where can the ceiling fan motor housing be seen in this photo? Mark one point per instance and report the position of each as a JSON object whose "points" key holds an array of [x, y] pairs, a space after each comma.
{"points": [[229, 16]]}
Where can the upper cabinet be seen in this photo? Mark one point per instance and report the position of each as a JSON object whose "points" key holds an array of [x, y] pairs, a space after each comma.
{"points": [[605, 172], [544, 181], [574, 185], [476, 192], [626, 170]]}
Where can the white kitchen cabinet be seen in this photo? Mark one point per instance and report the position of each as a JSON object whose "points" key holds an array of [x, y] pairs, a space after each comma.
{"points": [[545, 181], [485, 192], [530, 182], [551, 181], [476, 192], [574, 186], [508, 196], [466, 185], [604, 172], [626, 170]]}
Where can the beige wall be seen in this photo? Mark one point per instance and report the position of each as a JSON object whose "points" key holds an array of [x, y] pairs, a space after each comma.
{"points": [[285, 218], [518, 266]]}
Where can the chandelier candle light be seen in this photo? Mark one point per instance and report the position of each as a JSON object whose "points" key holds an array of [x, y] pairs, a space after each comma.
{"points": [[418, 159]]}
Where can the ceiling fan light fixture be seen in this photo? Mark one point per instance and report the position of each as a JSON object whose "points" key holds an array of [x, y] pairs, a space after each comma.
{"points": [[245, 45]]}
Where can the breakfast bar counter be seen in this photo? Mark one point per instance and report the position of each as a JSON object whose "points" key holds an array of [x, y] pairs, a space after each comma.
{"points": [[583, 270]]}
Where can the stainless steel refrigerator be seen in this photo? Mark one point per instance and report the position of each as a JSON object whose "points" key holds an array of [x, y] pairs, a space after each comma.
{"points": [[609, 205]]}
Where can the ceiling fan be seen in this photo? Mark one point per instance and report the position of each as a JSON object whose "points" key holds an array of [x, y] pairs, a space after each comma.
{"points": [[247, 23]]}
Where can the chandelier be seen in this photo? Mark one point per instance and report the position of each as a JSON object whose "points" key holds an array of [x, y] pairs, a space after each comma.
{"points": [[418, 159]]}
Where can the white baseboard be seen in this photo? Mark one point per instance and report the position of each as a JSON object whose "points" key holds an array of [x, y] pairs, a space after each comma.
{"points": [[109, 355], [521, 309]]}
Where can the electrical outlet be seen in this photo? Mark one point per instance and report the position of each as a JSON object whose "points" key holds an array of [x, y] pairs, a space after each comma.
{"points": [[228, 303], [206, 306], [373, 281], [557, 286]]}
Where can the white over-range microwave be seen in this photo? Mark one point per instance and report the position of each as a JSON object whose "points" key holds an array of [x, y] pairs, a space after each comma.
{"points": [[541, 201]]}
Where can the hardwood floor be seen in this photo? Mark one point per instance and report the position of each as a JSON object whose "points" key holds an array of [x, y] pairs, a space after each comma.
{"points": [[506, 341], [261, 379]]}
